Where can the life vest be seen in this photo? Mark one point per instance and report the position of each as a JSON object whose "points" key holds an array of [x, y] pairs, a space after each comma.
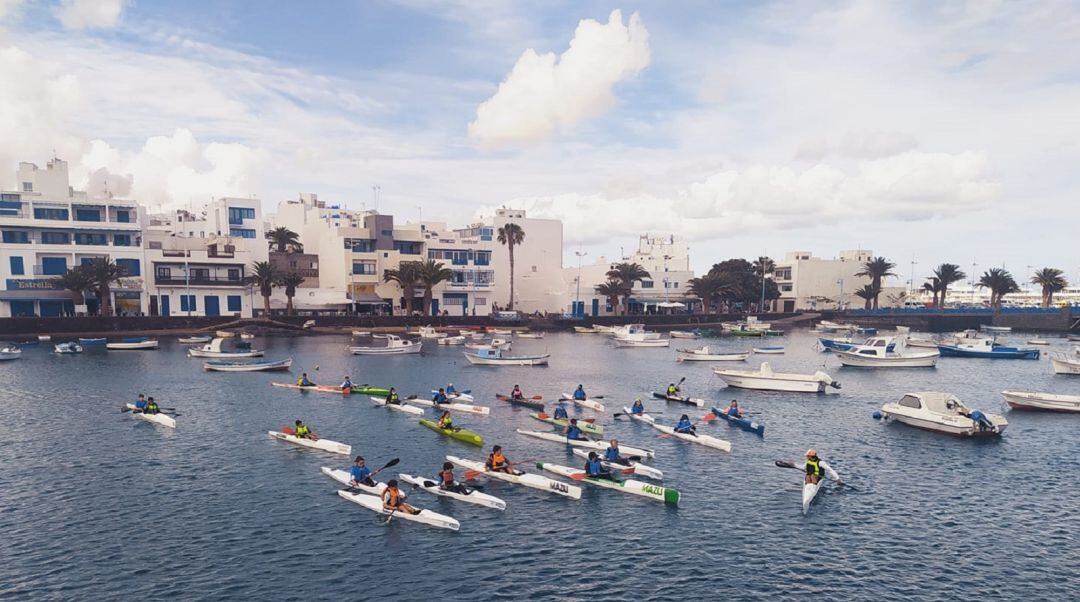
{"points": [[638, 408], [393, 398], [391, 497], [672, 391], [732, 411], [560, 413], [446, 423], [447, 477], [517, 394], [593, 467], [579, 394], [302, 430], [573, 433], [813, 467], [151, 408], [611, 454], [496, 459]]}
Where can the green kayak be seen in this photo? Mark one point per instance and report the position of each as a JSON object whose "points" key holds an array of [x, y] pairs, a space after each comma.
{"points": [[587, 427], [366, 390], [456, 433]]}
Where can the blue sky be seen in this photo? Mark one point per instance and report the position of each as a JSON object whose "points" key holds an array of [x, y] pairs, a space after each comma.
{"points": [[940, 131]]}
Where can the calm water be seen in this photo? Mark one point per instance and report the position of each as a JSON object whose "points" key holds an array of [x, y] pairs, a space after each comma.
{"points": [[97, 505]]}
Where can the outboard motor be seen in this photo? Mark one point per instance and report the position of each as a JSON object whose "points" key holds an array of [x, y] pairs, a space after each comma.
{"points": [[980, 419]]}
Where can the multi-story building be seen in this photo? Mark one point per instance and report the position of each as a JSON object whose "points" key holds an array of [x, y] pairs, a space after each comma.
{"points": [[665, 258], [806, 282], [539, 282], [469, 253], [48, 227]]}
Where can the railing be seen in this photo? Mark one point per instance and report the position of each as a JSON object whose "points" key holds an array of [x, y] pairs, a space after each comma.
{"points": [[179, 280], [961, 311]]}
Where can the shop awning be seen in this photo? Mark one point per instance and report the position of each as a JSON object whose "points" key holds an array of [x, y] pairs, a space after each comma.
{"points": [[35, 295]]}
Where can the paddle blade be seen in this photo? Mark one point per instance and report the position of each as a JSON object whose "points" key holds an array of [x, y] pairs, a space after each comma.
{"points": [[542, 415], [537, 397], [393, 462], [466, 392], [709, 417], [589, 420], [785, 464], [578, 476], [471, 474], [288, 430]]}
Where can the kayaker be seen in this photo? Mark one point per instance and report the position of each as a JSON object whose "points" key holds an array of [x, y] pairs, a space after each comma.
{"points": [[440, 397], [394, 499], [816, 468], [573, 432], [304, 381], [672, 390], [595, 469], [733, 409], [685, 427], [450, 390], [445, 421], [151, 406], [301, 431], [361, 474], [611, 454], [347, 383], [140, 403], [392, 397], [579, 393], [497, 462], [447, 482], [560, 412], [638, 408], [516, 393]]}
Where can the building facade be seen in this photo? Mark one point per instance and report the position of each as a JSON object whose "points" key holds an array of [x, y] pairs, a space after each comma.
{"points": [[806, 282], [664, 257]]}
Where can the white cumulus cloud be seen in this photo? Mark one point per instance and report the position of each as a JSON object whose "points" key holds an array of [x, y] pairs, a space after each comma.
{"points": [[90, 14], [544, 93]]}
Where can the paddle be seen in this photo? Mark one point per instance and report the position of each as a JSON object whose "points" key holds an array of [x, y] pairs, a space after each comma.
{"points": [[401, 501], [393, 462], [789, 464]]}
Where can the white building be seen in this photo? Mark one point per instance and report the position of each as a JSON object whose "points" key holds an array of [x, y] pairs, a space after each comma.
{"points": [[807, 282], [667, 260], [469, 253], [539, 281], [48, 227]]}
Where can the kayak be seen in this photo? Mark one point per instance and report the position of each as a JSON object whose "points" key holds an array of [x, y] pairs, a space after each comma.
{"points": [[639, 417], [632, 467], [529, 403], [690, 400], [584, 425], [161, 419], [366, 390], [588, 443], [455, 433], [653, 492], [296, 386], [534, 481], [345, 478], [473, 496], [744, 423], [705, 440], [455, 407], [400, 407], [809, 492], [457, 396], [321, 444], [426, 517], [592, 404]]}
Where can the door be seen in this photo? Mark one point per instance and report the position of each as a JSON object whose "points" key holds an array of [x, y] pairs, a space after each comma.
{"points": [[153, 305], [165, 306], [434, 307], [595, 307], [22, 308], [52, 309], [212, 306]]}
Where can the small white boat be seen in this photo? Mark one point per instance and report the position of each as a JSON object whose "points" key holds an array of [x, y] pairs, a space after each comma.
{"points": [[395, 345], [684, 334], [321, 444], [44, 338], [530, 335], [585, 330], [247, 335], [751, 323], [1023, 400], [213, 349], [158, 418], [495, 357], [1042, 342], [943, 413], [361, 333], [633, 331], [492, 344], [454, 340], [764, 379], [704, 354], [922, 342], [429, 332], [642, 342], [769, 350], [197, 340], [225, 334], [247, 366], [994, 329], [875, 353], [501, 331], [67, 348], [133, 344], [10, 352], [1066, 363]]}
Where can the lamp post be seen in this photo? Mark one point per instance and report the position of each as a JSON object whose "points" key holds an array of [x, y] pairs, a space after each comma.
{"points": [[577, 301], [911, 282], [840, 301]]}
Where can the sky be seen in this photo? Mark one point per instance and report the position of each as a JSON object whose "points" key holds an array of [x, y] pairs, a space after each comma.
{"points": [[924, 131]]}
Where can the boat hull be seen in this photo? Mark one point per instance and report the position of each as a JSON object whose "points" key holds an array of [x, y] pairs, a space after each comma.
{"points": [[595, 445], [161, 419], [744, 423], [1048, 402], [1065, 366], [539, 360], [854, 360], [770, 383], [587, 427], [998, 354], [657, 493], [426, 517], [687, 400], [956, 426], [460, 434], [252, 367], [320, 444], [532, 481], [706, 440]]}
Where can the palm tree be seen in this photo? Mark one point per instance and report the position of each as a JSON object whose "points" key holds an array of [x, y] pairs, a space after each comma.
{"points": [[1000, 282], [511, 234], [407, 276], [933, 285], [612, 290], [709, 288], [264, 276], [946, 274], [78, 280], [764, 262], [1052, 280], [869, 293], [290, 281], [285, 240], [877, 269], [627, 274], [103, 272], [432, 274]]}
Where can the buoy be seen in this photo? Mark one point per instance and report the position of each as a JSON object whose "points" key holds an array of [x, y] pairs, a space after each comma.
{"points": [[877, 414]]}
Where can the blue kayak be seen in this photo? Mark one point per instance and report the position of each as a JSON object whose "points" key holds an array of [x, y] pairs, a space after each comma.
{"points": [[744, 423]]}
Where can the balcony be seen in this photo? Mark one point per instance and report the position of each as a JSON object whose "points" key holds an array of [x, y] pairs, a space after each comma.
{"points": [[180, 280]]}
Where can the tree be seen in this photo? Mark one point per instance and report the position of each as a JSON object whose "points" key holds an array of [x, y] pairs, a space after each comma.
{"points": [[742, 285], [290, 281], [285, 240], [78, 280], [103, 272], [407, 277], [432, 274], [933, 285], [1052, 280], [764, 262], [709, 288], [511, 235], [1000, 282], [877, 269], [869, 294], [264, 276], [627, 274], [947, 274], [612, 290]]}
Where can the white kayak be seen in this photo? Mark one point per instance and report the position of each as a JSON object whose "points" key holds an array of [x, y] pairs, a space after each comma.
{"points": [[648, 490], [631, 467], [705, 440], [426, 517], [345, 478], [587, 443], [400, 407], [809, 492], [592, 404], [473, 496], [534, 481], [322, 444], [465, 397], [453, 407], [639, 417], [161, 419]]}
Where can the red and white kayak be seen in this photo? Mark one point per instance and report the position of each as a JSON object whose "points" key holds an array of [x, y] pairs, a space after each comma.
{"points": [[533, 481], [592, 404], [321, 444], [453, 407], [427, 517]]}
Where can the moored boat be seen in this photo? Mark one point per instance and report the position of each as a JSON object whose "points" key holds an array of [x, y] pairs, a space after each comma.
{"points": [[530, 335], [225, 334], [764, 379], [875, 353], [460, 434], [67, 348], [133, 344], [585, 330], [1024, 400], [994, 329], [769, 350], [10, 352], [320, 444], [533, 481], [193, 340], [647, 490], [987, 349], [943, 413], [454, 340], [429, 332], [492, 344], [587, 443], [705, 354], [247, 366], [213, 349], [620, 342], [495, 357], [684, 334], [395, 345], [1066, 363], [99, 342]]}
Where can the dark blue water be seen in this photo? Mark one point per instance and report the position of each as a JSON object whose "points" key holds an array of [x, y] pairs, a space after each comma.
{"points": [[97, 505]]}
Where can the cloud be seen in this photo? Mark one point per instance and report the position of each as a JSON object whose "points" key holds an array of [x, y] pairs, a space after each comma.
{"points": [[859, 145], [544, 93], [89, 14], [8, 7]]}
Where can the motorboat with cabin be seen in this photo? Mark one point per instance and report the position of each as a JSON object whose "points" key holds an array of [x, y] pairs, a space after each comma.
{"points": [[395, 345], [213, 349], [765, 379], [943, 413], [876, 353]]}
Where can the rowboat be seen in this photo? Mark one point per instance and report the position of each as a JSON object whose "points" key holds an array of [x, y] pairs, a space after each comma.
{"points": [[987, 349], [395, 345], [458, 340], [631, 466], [492, 344], [764, 379], [633, 331], [67, 348], [1022, 400], [225, 334], [943, 413], [994, 329], [500, 331], [44, 338], [454, 407], [132, 345], [247, 366], [494, 357], [769, 350], [744, 423], [530, 335], [361, 333], [647, 490], [429, 332], [400, 407], [689, 400], [213, 349], [320, 444], [642, 342], [455, 433], [247, 335], [1039, 342], [586, 443], [585, 426], [704, 354], [592, 404], [465, 397], [745, 332], [345, 478], [750, 323], [193, 340], [1066, 363], [529, 403], [585, 330], [639, 417], [533, 481], [10, 352], [158, 418], [472, 496], [427, 517], [684, 334], [706, 440]]}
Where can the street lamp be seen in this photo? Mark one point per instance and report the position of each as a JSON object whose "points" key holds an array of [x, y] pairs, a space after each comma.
{"points": [[911, 282], [840, 300], [577, 301]]}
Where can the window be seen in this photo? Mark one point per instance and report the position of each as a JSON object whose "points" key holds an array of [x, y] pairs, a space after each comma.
{"points": [[909, 401], [28, 187], [363, 267], [387, 232], [17, 266], [234, 274], [53, 266], [242, 232], [55, 238], [785, 288], [121, 240], [10, 207], [234, 303], [46, 213], [460, 258], [8, 197], [199, 273], [130, 267], [483, 258], [164, 273], [407, 247], [647, 284], [360, 245], [479, 300], [87, 238], [237, 215], [16, 236], [123, 216], [87, 215], [187, 303]]}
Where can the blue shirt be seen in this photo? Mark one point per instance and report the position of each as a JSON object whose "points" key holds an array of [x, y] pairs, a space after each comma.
{"points": [[684, 425], [141, 404], [573, 432], [346, 384], [611, 454], [579, 394], [560, 413], [439, 398], [358, 473], [451, 389], [733, 411], [593, 467], [638, 409]]}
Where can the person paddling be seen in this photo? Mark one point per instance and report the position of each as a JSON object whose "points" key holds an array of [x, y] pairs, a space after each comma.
{"points": [[560, 412], [394, 499], [595, 469], [447, 482], [817, 468], [516, 393], [446, 422], [733, 409], [360, 473], [574, 432], [612, 454], [638, 408], [579, 393], [685, 427], [346, 385], [301, 431], [392, 397], [672, 390], [304, 381], [497, 462], [440, 397], [140, 404], [450, 390], [151, 407]]}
